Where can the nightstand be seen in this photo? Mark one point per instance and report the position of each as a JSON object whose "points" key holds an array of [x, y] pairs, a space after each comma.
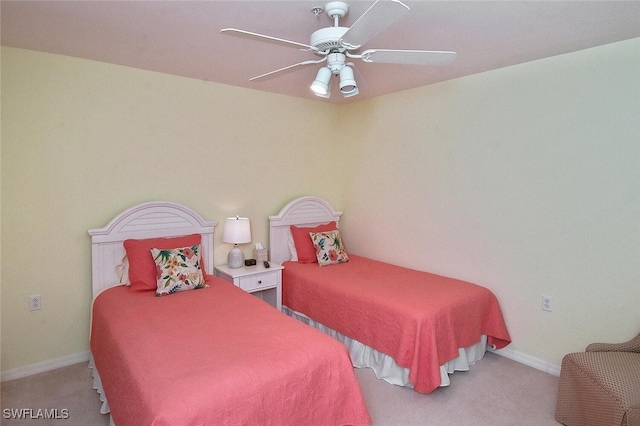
{"points": [[265, 283]]}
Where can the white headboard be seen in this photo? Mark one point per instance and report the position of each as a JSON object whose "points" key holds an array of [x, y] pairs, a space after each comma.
{"points": [[154, 219], [303, 211]]}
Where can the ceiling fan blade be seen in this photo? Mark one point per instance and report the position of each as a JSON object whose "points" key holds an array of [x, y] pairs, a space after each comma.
{"points": [[309, 62], [410, 57], [267, 38], [378, 17]]}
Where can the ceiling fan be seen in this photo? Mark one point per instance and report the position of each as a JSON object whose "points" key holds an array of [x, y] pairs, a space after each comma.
{"points": [[336, 45]]}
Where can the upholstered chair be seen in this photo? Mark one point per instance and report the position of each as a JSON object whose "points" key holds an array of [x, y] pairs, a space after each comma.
{"points": [[601, 386]]}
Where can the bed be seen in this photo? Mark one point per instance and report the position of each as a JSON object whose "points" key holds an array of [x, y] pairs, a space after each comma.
{"points": [[411, 327], [213, 355]]}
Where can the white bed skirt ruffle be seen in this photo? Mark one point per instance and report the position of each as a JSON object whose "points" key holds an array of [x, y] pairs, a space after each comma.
{"points": [[97, 385], [384, 366]]}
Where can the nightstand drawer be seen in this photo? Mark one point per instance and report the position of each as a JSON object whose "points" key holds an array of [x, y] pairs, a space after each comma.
{"points": [[253, 282], [264, 283]]}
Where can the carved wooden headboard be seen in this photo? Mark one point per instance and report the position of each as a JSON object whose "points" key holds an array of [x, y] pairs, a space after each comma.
{"points": [[303, 212], [154, 219]]}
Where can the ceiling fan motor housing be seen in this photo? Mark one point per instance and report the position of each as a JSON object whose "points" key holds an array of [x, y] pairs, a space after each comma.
{"points": [[326, 39]]}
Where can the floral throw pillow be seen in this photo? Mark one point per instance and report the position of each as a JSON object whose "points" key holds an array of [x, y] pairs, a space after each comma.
{"points": [[178, 269], [329, 247]]}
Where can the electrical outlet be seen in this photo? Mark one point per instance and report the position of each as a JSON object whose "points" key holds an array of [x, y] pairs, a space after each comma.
{"points": [[547, 303], [35, 302]]}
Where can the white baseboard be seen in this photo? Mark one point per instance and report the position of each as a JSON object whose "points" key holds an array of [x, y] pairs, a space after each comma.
{"points": [[42, 367], [28, 370], [525, 359]]}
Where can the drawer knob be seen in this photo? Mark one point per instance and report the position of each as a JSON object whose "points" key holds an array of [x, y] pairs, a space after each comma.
{"points": [[259, 281]]}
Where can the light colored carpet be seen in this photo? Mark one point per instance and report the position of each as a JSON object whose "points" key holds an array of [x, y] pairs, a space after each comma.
{"points": [[496, 391]]}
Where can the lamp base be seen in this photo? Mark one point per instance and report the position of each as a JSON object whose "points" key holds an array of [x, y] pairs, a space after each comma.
{"points": [[235, 259]]}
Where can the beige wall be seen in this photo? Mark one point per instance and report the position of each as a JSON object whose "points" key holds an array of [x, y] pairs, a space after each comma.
{"points": [[525, 180], [83, 140]]}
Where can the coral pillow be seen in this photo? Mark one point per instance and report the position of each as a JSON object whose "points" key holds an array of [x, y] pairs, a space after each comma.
{"points": [[302, 240], [178, 269], [329, 247], [142, 268]]}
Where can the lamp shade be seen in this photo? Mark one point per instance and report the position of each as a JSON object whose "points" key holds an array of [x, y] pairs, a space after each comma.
{"points": [[237, 230]]}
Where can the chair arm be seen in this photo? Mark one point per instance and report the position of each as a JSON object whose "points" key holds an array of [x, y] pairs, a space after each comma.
{"points": [[632, 345]]}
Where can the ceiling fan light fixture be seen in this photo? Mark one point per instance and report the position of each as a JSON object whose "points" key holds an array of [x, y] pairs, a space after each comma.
{"points": [[326, 95], [354, 92], [348, 84], [320, 85], [335, 44]]}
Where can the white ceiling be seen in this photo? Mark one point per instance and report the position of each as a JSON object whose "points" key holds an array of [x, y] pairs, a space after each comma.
{"points": [[183, 37]]}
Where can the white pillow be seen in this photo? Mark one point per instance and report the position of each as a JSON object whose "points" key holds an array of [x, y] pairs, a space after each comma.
{"points": [[122, 271], [293, 253]]}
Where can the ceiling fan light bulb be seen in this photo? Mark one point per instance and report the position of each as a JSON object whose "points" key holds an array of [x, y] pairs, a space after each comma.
{"points": [[320, 85], [325, 95], [354, 93], [347, 81], [349, 88], [319, 88]]}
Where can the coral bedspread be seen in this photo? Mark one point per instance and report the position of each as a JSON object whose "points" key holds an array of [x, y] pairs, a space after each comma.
{"points": [[417, 318], [218, 356]]}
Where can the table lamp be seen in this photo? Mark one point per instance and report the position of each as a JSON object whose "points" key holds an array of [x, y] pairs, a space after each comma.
{"points": [[237, 230]]}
